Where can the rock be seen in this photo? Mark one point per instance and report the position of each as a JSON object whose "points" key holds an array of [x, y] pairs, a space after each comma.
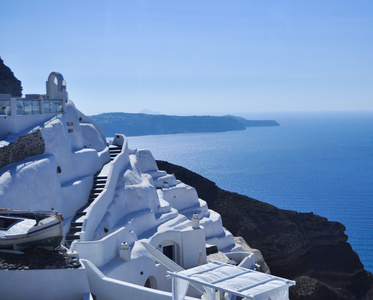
{"points": [[301, 246], [310, 288], [38, 258], [9, 84], [143, 124]]}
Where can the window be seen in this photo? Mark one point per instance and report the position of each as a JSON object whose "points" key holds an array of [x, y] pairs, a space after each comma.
{"points": [[52, 106], [4, 108], [28, 107]]}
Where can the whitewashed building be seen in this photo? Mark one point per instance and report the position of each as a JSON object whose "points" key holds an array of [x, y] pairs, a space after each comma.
{"points": [[139, 232]]}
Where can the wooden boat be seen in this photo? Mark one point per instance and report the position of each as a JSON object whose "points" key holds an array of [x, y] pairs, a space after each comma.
{"points": [[22, 229]]}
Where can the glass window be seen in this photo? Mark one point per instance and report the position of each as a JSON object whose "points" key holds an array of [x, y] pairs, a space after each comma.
{"points": [[4, 108], [35, 107], [46, 106], [59, 105], [20, 110], [27, 107], [53, 106]]}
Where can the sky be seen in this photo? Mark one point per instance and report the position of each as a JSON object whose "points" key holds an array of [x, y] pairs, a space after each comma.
{"points": [[195, 57]]}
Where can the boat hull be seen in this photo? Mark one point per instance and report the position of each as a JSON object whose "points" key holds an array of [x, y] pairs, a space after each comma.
{"points": [[47, 232]]}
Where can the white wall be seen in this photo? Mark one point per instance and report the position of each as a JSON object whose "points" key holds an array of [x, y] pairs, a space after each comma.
{"points": [[193, 242], [103, 251], [44, 284], [181, 196], [21, 124], [106, 288], [35, 183]]}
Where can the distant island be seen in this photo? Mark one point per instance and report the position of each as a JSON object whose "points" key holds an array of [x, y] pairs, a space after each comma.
{"points": [[133, 124]]}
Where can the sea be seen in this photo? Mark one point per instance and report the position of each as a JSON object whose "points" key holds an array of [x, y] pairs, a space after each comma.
{"points": [[320, 162]]}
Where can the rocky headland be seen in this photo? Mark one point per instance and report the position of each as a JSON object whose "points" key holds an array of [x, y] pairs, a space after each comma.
{"points": [[149, 124], [301, 246]]}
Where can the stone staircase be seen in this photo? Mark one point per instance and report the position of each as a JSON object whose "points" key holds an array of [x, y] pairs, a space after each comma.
{"points": [[99, 182], [114, 151], [76, 224]]}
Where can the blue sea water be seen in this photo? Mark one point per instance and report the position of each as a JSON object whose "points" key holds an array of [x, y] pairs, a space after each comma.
{"points": [[319, 162]]}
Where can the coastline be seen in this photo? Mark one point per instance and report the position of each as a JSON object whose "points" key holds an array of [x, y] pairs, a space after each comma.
{"points": [[319, 164], [301, 246], [147, 124]]}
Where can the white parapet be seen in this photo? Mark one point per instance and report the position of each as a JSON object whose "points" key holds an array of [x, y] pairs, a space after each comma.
{"points": [[44, 284]]}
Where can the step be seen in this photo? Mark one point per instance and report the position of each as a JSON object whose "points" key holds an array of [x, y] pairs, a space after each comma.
{"points": [[73, 235], [81, 210], [99, 185], [100, 180], [96, 190], [75, 229], [70, 238], [76, 224], [80, 214], [78, 219], [94, 194]]}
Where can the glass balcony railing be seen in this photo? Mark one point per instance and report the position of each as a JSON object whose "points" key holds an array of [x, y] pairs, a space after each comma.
{"points": [[53, 106], [28, 107], [5, 108], [33, 106]]}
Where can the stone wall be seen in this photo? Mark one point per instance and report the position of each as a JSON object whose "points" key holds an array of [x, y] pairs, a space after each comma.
{"points": [[29, 145]]}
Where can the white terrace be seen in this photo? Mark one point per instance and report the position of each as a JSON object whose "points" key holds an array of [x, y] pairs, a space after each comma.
{"points": [[20, 114]]}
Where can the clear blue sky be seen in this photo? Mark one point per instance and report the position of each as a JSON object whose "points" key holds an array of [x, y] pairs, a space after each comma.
{"points": [[195, 56]]}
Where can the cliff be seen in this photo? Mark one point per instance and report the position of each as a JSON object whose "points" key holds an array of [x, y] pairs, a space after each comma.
{"points": [[9, 84], [255, 123], [144, 124], [301, 246]]}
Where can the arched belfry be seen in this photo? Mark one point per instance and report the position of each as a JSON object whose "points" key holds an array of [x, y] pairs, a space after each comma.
{"points": [[56, 86]]}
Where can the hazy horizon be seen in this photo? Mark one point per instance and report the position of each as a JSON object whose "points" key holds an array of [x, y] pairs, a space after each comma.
{"points": [[195, 57], [254, 113]]}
